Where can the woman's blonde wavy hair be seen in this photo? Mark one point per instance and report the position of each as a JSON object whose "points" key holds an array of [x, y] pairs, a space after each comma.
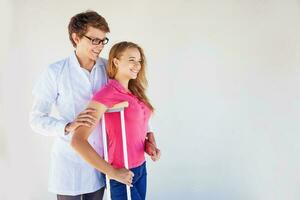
{"points": [[136, 86]]}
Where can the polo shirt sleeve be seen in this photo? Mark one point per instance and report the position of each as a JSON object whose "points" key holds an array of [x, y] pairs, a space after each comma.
{"points": [[106, 96]]}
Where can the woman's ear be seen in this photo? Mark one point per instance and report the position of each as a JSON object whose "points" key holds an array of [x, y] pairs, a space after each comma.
{"points": [[75, 38], [116, 62]]}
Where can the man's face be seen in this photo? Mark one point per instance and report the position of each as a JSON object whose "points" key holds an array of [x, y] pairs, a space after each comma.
{"points": [[85, 45]]}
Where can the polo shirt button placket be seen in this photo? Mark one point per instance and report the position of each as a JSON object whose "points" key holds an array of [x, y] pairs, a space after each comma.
{"points": [[143, 108]]}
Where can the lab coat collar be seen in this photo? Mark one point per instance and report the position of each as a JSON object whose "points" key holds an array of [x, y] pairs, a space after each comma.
{"points": [[75, 63]]}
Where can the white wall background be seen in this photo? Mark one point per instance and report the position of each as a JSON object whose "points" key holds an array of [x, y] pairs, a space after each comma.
{"points": [[224, 78]]}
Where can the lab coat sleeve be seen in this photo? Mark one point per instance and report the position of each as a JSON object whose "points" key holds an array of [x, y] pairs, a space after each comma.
{"points": [[45, 95]]}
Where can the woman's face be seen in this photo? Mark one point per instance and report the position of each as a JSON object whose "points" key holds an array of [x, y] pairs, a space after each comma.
{"points": [[129, 64]]}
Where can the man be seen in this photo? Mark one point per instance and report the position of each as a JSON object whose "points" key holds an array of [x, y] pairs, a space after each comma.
{"points": [[69, 85]]}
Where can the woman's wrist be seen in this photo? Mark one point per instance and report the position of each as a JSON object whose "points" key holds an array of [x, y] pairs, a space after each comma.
{"points": [[111, 172]]}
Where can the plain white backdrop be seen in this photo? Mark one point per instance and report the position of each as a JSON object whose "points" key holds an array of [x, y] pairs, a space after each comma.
{"points": [[223, 77]]}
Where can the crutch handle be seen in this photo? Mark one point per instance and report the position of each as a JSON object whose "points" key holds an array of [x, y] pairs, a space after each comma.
{"points": [[118, 107]]}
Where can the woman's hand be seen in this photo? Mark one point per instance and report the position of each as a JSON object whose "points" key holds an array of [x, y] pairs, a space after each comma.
{"points": [[85, 118], [122, 175]]}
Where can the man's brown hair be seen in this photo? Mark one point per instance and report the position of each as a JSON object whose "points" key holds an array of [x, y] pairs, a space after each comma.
{"points": [[80, 23]]}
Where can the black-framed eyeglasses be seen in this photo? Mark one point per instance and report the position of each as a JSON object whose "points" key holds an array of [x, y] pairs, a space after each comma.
{"points": [[97, 41]]}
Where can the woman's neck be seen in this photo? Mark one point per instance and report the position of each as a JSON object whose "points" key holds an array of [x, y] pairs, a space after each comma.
{"points": [[123, 81], [84, 61]]}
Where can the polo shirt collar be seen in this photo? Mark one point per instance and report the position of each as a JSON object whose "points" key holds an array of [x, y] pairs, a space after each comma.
{"points": [[116, 84]]}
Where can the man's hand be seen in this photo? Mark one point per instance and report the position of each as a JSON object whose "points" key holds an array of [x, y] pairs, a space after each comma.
{"points": [[152, 151], [85, 118]]}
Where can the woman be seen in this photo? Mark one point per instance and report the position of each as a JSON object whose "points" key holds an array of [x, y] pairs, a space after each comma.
{"points": [[126, 70]]}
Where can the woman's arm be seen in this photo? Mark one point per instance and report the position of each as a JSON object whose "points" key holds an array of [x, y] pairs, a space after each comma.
{"points": [[81, 145]]}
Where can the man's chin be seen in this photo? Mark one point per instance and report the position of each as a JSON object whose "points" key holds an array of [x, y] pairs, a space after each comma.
{"points": [[94, 57]]}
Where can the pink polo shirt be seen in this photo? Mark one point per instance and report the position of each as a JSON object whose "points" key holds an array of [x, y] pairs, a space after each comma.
{"points": [[137, 115]]}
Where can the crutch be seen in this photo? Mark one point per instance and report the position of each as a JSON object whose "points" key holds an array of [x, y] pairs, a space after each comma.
{"points": [[116, 108]]}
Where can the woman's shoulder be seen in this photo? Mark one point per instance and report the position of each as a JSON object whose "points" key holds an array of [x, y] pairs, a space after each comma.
{"points": [[106, 95], [106, 89]]}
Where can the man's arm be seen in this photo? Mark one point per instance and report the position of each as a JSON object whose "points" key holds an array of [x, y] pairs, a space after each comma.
{"points": [[41, 121], [151, 148], [45, 93]]}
